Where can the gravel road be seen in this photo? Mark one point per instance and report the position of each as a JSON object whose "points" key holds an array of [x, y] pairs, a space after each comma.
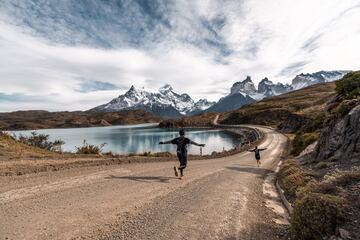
{"points": [[218, 199]]}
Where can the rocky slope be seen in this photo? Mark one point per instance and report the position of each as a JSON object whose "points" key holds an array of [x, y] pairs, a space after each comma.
{"points": [[340, 139]]}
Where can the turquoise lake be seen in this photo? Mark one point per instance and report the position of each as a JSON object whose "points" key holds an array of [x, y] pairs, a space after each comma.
{"points": [[139, 138]]}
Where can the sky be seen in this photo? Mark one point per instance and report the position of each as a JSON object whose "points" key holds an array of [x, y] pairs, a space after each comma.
{"points": [[77, 54]]}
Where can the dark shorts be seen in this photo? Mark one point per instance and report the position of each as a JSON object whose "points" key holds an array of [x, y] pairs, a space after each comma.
{"points": [[257, 157], [182, 156]]}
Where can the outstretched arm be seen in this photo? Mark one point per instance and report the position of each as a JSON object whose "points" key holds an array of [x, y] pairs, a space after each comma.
{"points": [[197, 144], [262, 149], [251, 150], [167, 142]]}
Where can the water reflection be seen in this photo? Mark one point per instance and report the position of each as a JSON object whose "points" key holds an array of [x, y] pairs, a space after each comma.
{"points": [[140, 138]]}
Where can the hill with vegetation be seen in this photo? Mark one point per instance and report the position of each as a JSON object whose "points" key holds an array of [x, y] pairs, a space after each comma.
{"points": [[287, 112], [323, 182], [22, 120]]}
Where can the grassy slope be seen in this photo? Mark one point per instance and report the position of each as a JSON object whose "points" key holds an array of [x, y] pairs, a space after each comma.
{"points": [[10, 149], [306, 103], [43, 119]]}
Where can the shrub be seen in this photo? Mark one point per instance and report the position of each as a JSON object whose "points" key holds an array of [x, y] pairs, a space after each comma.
{"points": [[42, 141], [146, 154], [316, 216], [291, 178], [302, 140], [349, 86], [87, 148]]}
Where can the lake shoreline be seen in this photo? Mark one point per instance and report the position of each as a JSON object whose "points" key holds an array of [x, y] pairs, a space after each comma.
{"points": [[137, 139], [23, 166]]}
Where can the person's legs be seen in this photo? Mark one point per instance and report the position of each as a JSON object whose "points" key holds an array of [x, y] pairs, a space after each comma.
{"points": [[258, 161], [183, 161], [176, 171]]}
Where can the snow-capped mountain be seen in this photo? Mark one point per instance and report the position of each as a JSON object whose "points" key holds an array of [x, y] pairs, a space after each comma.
{"points": [[241, 93], [163, 102], [245, 87], [201, 106], [267, 88], [304, 80]]}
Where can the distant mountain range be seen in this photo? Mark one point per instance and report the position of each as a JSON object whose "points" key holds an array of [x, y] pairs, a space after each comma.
{"points": [[165, 102]]}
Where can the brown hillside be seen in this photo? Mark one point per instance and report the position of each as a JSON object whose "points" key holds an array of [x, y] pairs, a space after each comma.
{"points": [[288, 112], [42, 119]]}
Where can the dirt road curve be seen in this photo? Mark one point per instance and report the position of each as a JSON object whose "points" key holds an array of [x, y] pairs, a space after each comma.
{"points": [[219, 199]]}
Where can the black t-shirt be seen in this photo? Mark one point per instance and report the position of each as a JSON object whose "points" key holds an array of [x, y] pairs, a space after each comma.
{"points": [[181, 143], [257, 154]]}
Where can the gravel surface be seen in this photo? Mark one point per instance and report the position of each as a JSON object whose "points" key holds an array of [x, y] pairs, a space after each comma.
{"points": [[218, 199]]}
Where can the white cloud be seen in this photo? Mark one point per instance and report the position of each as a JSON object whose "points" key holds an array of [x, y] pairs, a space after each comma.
{"points": [[274, 39]]}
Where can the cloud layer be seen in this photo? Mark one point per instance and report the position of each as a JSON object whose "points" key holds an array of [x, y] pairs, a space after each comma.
{"points": [[74, 55]]}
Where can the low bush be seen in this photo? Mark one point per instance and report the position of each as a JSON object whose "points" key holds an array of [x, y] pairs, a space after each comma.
{"points": [[292, 177], [87, 148], [302, 140], [317, 215], [320, 206], [42, 141]]}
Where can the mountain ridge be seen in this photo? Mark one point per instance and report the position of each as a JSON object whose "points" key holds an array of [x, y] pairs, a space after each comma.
{"points": [[166, 102]]}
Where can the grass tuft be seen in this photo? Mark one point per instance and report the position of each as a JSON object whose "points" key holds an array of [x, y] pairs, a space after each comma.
{"points": [[87, 148]]}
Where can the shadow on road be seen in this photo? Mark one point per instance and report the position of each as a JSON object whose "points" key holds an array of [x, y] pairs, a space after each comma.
{"points": [[261, 230], [254, 170], [146, 179]]}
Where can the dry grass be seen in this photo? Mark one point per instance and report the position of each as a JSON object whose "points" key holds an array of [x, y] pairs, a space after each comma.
{"points": [[321, 203], [292, 177], [11, 149]]}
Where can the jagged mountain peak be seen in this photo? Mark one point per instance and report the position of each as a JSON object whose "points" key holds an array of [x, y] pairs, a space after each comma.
{"points": [[247, 79], [166, 87], [243, 87], [266, 81]]}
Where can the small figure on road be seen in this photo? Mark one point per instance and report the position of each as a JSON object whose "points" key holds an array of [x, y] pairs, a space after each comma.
{"points": [[257, 150], [181, 143]]}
